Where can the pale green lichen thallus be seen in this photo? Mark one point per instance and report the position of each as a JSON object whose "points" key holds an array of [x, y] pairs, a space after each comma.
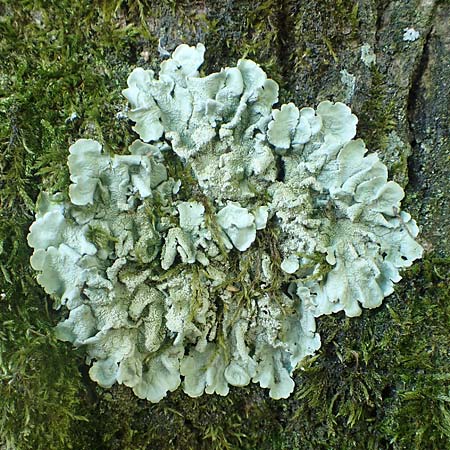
{"points": [[203, 257]]}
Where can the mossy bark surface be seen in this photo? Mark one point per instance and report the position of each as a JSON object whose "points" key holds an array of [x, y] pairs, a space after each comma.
{"points": [[380, 381]]}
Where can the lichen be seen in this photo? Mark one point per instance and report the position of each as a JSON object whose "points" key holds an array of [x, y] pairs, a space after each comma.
{"points": [[166, 285], [410, 34]]}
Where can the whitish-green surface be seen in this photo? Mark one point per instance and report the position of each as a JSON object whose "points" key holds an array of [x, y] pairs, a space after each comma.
{"points": [[213, 276]]}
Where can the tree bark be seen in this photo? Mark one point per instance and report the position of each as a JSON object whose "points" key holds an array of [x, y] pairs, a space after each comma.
{"points": [[380, 381]]}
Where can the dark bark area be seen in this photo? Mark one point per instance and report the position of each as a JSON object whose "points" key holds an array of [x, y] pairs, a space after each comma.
{"points": [[429, 120]]}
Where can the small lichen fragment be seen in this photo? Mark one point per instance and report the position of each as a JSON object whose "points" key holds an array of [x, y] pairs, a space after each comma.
{"points": [[368, 56], [410, 34], [202, 257]]}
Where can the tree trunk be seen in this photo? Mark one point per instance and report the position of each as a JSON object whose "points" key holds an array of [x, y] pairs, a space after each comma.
{"points": [[380, 381]]}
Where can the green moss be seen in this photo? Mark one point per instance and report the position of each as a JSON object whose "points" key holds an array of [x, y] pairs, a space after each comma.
{"points": [[245, 29], [208, 422], [320, 32], [377, 118], [418, 414], [58, 58], [40, 384], [381, 381]]}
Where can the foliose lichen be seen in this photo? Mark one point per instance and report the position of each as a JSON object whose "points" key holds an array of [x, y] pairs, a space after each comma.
{"points": [[213, 274]]}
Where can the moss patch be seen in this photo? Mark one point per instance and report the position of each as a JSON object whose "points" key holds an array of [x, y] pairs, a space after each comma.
{"points": [[381, 381], [377, 118]]}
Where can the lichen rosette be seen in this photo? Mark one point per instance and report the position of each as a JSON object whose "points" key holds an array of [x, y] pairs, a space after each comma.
{"points": [[203, 256]]}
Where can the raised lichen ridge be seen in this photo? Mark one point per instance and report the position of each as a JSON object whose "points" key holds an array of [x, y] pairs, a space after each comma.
{"points": [[204, 256]]}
